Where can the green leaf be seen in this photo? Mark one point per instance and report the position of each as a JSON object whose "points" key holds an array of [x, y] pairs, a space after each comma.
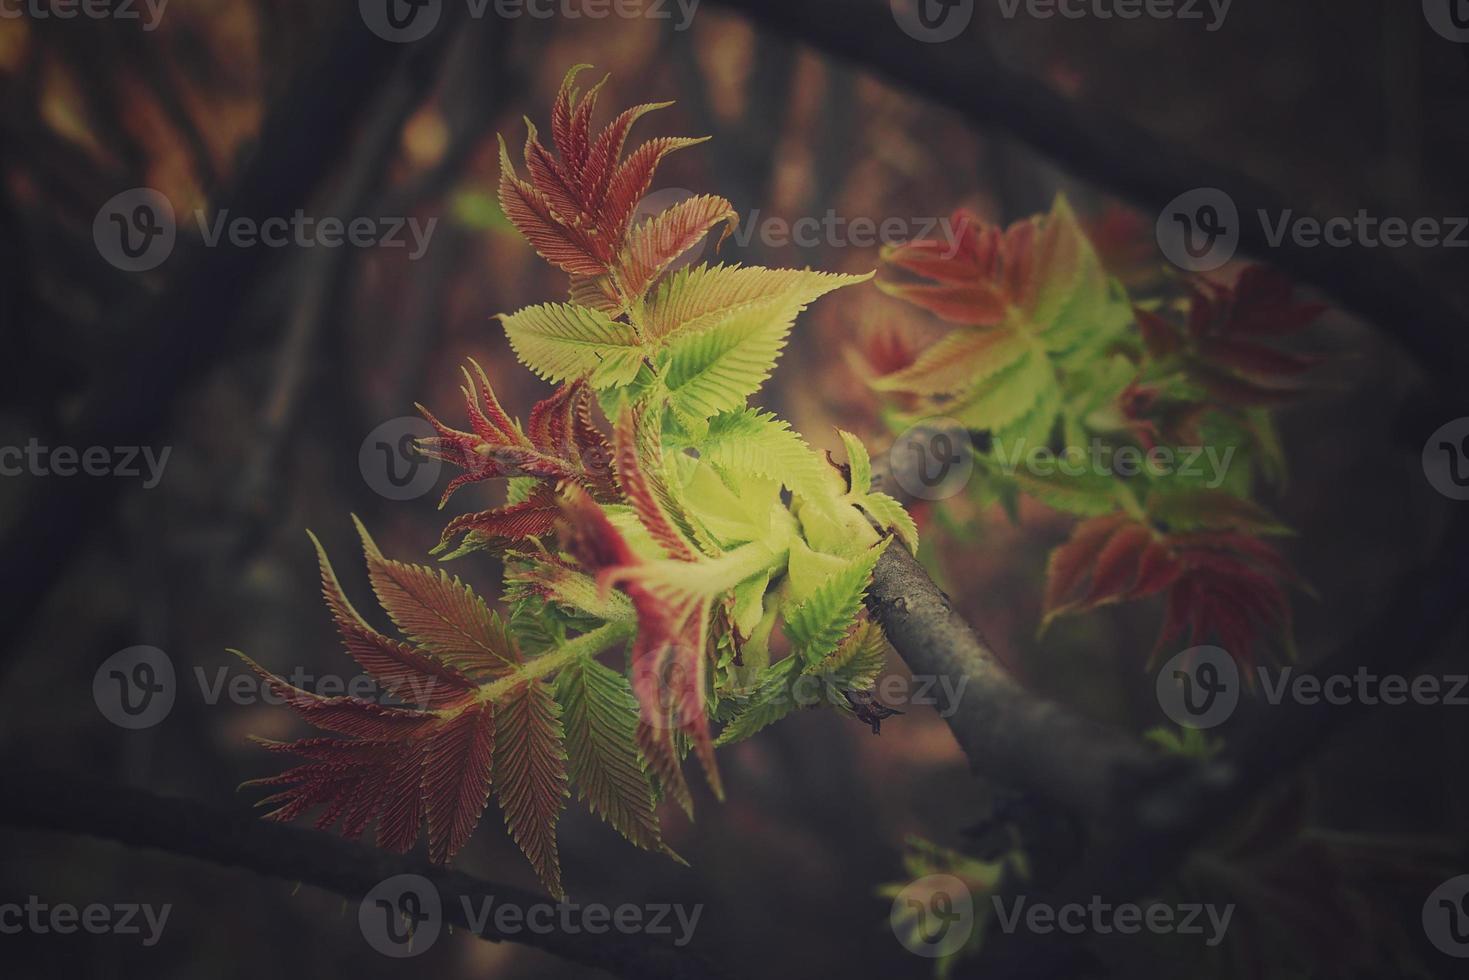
{"points": [[562, 341], [961, 361], [857, 662], [859, 462], [757, 443], [1086, 495], [1010, 394], [717, 369], [601, 716], [892, 516], [816, 626], [1075, 304], [695, 299], [1213, 510], [807, 570], [772, 699]]}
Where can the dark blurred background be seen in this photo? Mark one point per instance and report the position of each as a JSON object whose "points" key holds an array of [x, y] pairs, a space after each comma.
{"points": [[266, 374]]}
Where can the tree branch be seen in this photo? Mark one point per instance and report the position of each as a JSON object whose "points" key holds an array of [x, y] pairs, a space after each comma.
{"points": [[1008, 733], [1120, 156], [64, 803]]}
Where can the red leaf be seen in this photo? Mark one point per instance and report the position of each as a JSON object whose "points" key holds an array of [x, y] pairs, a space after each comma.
{"points": [[1070, 563], [1116, 567], [457, 762], [530, 519], [575, 210], [530, 775], [645, 490]]}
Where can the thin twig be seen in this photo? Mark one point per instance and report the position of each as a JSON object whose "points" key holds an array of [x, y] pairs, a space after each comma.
{"points": [[69, 804]]}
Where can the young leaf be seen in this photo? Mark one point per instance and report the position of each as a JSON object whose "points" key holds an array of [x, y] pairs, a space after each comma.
{"points": [[436, 611], [715, 370], [600, 717], [816, 626], [561, 342], [694, 299], [575, 210], [530, 775], [758, 443], [655, 244], [773, 699], [458, 760], [892, 516], [859, 464]]}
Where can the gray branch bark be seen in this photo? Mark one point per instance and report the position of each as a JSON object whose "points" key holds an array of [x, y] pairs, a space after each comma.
{"points": [[57, 802]]}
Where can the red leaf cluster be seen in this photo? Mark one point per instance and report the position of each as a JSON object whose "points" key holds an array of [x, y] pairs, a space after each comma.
{"points": [[561, 442], [1222, 584], [1230, 334], [428, 761]]}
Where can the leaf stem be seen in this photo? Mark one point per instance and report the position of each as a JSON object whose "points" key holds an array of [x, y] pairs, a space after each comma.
{"points": [[586, 645]]}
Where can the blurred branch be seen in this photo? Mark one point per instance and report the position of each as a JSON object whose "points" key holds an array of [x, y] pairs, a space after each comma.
{"points": [[321, 284], [1120, 156], [302, 138], [63, 803]]}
